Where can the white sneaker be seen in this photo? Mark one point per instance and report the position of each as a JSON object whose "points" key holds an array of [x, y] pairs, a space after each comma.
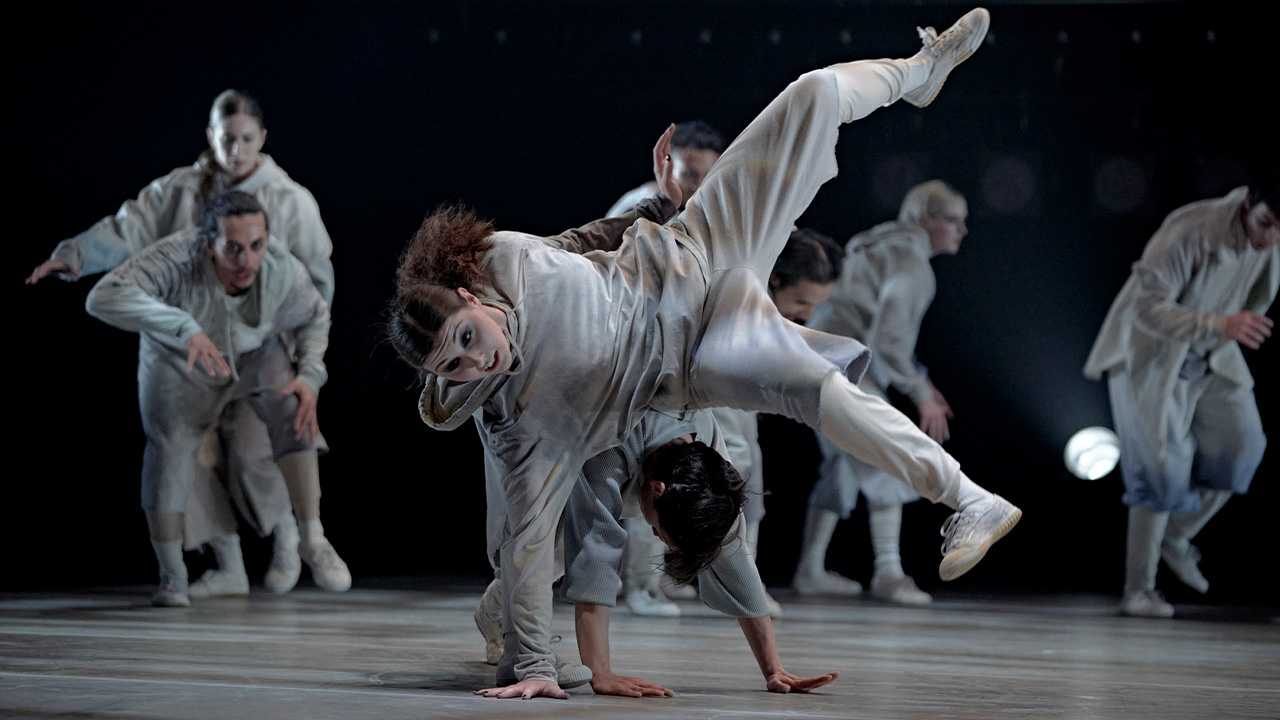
{"points": [[172, 592], [1145, 603], [968, 534], [899, 590], [283, 572], [327, 569], [949, 50], [286, 565], [825, 583], [1185, 564], [219, 583], [642, 603]]}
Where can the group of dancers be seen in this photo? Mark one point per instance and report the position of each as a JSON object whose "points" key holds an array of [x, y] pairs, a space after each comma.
{"points": [[613, 371]]}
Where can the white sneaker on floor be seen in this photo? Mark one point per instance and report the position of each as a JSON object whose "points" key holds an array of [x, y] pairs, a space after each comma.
{"points": [[327, 569], [641, 602], [1145, 603], [219, 583], [172, 592], [1185, 564], [899, 590], [825, 584], [949, 50], [284, 570]]}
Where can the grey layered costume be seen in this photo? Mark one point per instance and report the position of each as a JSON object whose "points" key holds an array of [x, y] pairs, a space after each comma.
{"points": [[886, 285], [168, 293], [1181, 393], [609, 490], [677, 317], [171, 204]]}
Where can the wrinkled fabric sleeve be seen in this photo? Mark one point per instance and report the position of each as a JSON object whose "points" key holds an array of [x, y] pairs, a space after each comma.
{"points": [[116, 238], [607, 234], [136, 296], [732, 584], [1163, 272], [307, 237], [897, 328], [540, 478], [594, 539]]}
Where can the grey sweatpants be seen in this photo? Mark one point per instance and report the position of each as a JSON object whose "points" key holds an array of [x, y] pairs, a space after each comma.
{"points": [[178, 411], [1214, 441]]}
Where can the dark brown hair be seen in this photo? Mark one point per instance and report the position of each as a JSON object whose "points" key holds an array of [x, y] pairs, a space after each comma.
{"points": [[703, 497], [444, 255]]}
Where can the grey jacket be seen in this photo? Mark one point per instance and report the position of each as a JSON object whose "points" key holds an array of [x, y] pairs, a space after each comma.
{"points": [[169, 293], [1195, 271], [172, 203]]}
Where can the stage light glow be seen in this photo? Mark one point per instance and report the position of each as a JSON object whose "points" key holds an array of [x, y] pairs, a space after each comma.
{"points": [[1092, 453]]}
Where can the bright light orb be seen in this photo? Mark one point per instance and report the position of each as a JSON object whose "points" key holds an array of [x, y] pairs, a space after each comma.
{"points": [[1092, 453]]}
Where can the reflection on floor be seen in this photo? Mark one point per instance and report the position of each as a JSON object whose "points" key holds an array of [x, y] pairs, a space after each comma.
{"points": [[393, 653]]}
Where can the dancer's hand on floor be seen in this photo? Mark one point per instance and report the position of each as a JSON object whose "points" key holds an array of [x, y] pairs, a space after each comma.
{"points": [[784, 682], [610, 684], [664, 170], [527, 689]]}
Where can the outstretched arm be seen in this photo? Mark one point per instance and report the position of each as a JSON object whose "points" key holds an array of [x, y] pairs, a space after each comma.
{"points": [[592, 624], [759, 634]]}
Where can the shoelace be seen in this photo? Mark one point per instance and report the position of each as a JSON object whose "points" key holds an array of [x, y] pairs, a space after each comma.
{"points": [[928, 36], [954, 526]]}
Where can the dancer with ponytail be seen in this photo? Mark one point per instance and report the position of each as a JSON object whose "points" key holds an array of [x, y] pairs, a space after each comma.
{"points": [[558, 351], [174, 203]]}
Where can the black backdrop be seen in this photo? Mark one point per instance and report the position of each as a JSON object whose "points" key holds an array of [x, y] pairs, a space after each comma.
{"points": [[1073, 132]]}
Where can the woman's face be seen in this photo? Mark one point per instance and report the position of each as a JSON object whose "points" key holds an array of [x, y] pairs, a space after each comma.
{"points": [[1260, 227], [471, 344], [236, 141], [946, 227]]}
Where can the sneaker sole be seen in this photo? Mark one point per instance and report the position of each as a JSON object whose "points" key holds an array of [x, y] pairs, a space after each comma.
{"points": [[986, 25], [956, 564]]}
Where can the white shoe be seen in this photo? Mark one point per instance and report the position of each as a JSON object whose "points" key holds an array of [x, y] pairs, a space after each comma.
{"points": [[968, 534], [1145, 603], [219, 583], [825, 583], [286, 565], [899, 590], [172, 592], [327, 569], [947, 51], [642, 603], [1185, 564], [283, 572]]}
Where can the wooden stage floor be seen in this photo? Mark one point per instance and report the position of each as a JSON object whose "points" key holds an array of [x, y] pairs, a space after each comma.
{"points": [[392, 653]]}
